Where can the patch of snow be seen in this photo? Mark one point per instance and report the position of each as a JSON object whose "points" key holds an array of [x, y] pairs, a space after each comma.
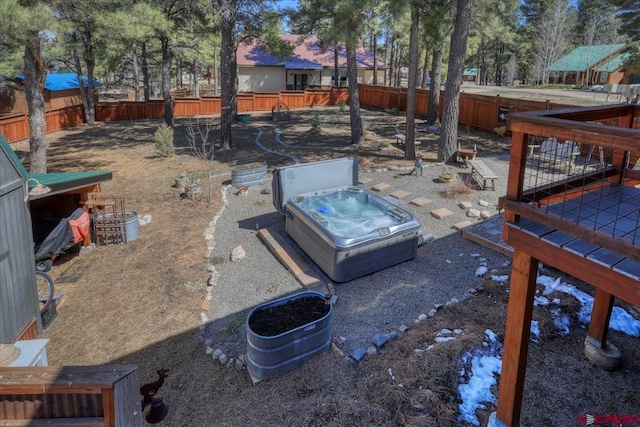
{"points": [[481, 271], [444, 339], [485, 363], [540, 301], [535, 330], [503, 278]]}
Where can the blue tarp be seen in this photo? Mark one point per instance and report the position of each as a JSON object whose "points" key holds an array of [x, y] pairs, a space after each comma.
{"points": [[63, 81]]}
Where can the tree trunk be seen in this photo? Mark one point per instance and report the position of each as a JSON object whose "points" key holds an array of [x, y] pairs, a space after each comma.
{"points": [[425, 67], [451, 110], [392, 59], [90, 63], [433, 107], [410, 146], [136, 70], [78, 66], [375, 59], [336, 64], [357, 134], [144, 64], [196, 86], [166, 81], [34, 75], [227, 72]]}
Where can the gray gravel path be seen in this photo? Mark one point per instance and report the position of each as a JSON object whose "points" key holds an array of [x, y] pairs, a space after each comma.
{"points": [[380, 302]]}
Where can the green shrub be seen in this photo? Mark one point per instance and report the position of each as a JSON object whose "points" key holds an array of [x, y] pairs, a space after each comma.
{"points": [[163, 139], [384, 144], [342, 105], [316, 125]]}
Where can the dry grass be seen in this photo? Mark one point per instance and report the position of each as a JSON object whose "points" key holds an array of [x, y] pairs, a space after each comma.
{"points": [[140, 304], [457, 190]]}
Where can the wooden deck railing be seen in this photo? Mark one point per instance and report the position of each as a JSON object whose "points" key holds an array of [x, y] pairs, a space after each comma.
{"points": [[479, 111]]}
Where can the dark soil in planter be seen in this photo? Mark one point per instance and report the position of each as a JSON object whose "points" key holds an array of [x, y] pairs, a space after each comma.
{"points": [[272, 321]]}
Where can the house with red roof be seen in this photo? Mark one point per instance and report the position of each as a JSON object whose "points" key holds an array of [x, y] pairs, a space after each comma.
{"points": [[311, 65]]}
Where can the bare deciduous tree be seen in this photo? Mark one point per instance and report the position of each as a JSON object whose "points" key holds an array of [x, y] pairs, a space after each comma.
{"points": [[201, 143], [553, 37]]}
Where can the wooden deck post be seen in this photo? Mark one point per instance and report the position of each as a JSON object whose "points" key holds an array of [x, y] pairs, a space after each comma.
{"points": [[600, 316], [516, 338]]}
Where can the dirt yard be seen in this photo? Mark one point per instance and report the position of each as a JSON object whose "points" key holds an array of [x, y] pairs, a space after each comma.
{"points": [[140, 303]]}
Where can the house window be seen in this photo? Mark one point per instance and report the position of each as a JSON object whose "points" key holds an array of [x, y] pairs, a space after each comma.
{"points": [[603, 77], [300, 81], [343, 78]]}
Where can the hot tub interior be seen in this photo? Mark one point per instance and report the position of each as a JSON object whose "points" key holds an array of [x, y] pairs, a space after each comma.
{"points": [[351, 212]]}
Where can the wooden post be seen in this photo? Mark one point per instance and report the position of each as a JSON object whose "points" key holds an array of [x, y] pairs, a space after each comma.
{"points": [[600, 316], [516, 338]]}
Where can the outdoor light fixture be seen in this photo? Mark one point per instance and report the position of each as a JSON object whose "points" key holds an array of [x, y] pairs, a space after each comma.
{"points": [[38, 190], [159, 409]]}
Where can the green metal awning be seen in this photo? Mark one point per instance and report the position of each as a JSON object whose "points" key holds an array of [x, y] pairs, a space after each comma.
{"points": [[58, 182]]}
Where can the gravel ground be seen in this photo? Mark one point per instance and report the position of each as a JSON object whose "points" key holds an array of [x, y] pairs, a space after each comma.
{"points": [[379, 302]]}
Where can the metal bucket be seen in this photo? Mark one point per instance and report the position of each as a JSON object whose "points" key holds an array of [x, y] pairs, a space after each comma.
{"points": [[132, 226], [248, 174], [268, 356]]}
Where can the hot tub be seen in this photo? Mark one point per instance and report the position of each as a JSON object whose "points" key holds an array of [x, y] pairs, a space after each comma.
{"points": [[346, 230]]}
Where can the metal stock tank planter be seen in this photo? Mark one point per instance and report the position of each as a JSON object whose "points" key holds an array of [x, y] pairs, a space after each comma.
{"points": [[282, 334], [248, 174]]}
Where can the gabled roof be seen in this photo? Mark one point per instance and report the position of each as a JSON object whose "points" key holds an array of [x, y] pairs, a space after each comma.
{"points": [[308, 54], [613, 65], [62, 81], [470, 72], [583, 57], [59, 182]]}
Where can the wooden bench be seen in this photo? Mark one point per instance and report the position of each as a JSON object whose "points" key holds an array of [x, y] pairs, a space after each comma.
{"points": [[107, 396], [478, 166], [401, 140]]}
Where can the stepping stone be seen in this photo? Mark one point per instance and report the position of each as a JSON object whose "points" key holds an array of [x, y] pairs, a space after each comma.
{"points": [[363, 181], [381, 187], [399, 194], [465, 205], [441, 213], [420, 201], [460, 225]]}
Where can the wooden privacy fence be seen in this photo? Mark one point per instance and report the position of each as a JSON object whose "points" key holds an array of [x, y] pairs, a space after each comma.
{"points": [[479, 111]]}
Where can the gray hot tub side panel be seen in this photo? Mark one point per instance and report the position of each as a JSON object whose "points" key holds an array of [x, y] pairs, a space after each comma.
{"points": [[344, 264]]}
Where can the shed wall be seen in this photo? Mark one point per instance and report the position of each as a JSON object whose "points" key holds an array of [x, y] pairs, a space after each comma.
{"points": [[18, 292]]}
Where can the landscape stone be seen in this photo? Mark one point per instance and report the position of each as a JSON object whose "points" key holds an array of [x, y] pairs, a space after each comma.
{"points": [[403, 328], [381, 187], [371, 350], [420, 201], [358, 354], [265, 191], [441, 213], [379, 340], [422, 317], [363, 181], [485, 214], [399, 194], [237, 254], [393, 335], [460, 225], [465, 205], [483, 203], [473, 213]]}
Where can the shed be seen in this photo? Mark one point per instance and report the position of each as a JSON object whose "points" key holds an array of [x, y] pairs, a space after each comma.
{"points": [[25, 220], [60, 90], [19, 308]]}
